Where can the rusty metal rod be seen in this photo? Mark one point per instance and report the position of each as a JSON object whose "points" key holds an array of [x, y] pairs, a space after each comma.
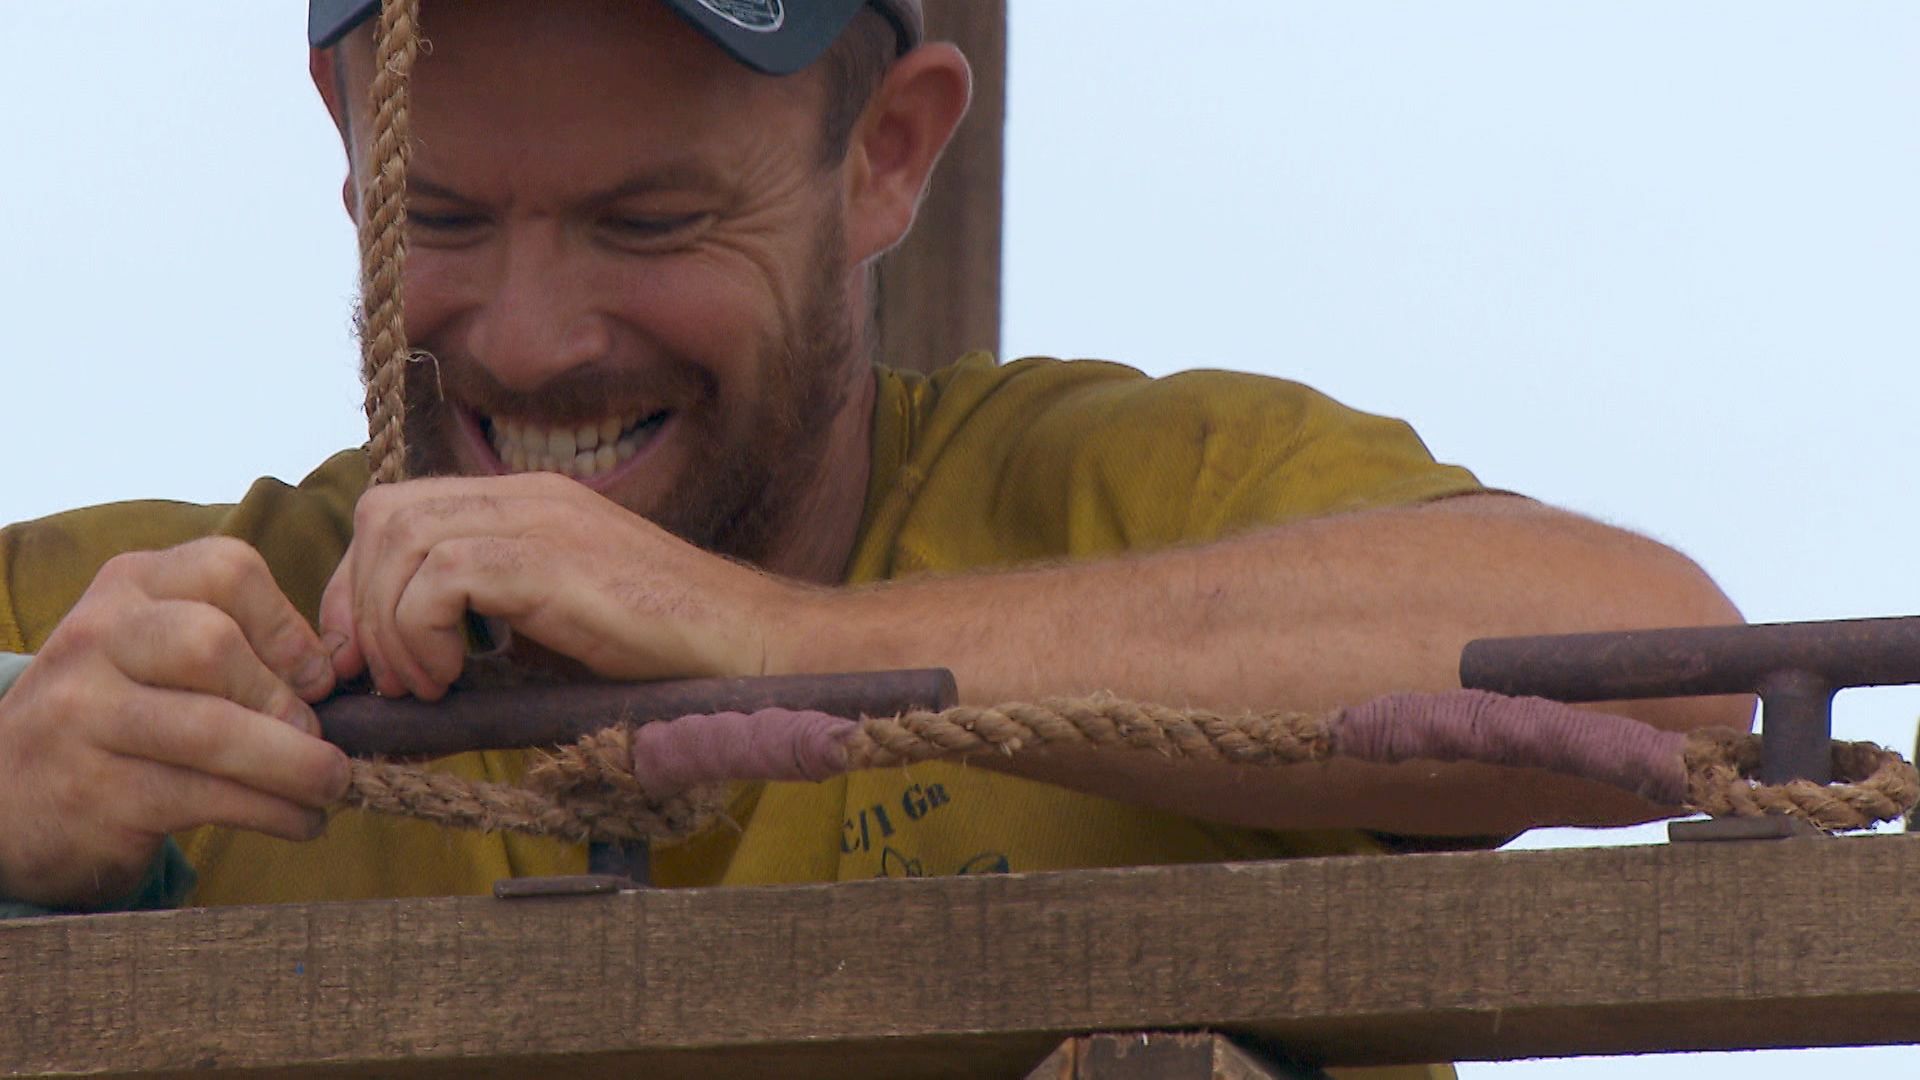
{"points": [[1695, 661], [1794, 667], [548, 715]]}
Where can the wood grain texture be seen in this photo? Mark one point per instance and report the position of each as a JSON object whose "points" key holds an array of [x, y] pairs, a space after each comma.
{"points": [[939, 291], [1340, 961], [1153, 1055]]}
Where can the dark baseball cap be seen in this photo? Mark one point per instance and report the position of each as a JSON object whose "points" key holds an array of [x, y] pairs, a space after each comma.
{"points": [[776, 37]]}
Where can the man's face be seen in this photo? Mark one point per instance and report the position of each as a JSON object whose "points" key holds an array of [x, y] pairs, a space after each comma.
{"points": [[627, 259]]}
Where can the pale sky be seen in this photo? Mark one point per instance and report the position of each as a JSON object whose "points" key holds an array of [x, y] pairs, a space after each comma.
{"points": [[1655, 261]]}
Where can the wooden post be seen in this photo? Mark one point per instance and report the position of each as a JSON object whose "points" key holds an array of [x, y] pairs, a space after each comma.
{"points": [[939, 292]]}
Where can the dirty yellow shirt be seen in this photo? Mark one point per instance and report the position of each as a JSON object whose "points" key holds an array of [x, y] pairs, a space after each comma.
{"points": [[978, 466]]}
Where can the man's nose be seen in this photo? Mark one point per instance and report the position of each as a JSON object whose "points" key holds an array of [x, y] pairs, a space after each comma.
{"points": [[538, 321]]}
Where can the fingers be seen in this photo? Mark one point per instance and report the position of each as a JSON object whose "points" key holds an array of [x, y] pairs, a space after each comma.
{"points": [[457, 576], [392, 537], [181, 645], [336, 623], [217, 738], [232, 576], [171, 695], [561, 565], [214, 657], [396, 530], [169, 799], [98, 769]]}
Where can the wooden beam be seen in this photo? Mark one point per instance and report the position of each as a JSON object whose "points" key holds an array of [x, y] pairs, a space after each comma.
{"points": [[1153, 1055], [1342, 961], [939, 292]]}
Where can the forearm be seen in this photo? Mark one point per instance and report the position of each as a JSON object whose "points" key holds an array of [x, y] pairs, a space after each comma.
{"points": [[1304, 617], [1308, 616]]}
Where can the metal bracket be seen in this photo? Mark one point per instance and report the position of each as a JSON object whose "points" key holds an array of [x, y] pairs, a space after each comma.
{"points": [[563, 885], [611, 868], [1794, 668], [1773, 827]]}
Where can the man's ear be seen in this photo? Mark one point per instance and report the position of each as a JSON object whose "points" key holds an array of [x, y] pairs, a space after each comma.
{"points": [[897, 142]]}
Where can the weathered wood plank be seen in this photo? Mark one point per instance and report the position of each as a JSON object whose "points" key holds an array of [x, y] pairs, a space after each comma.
{"points": [[1152, 1055], [939, 292], [1349, 961]]}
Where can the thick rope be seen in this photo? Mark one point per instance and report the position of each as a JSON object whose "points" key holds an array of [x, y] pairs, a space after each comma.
{"points": [[588, 790], [1279, 738], [579, 793], [383, 246], [1871, 783]]}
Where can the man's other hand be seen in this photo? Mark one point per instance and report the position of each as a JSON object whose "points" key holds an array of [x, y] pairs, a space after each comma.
{"points": [[559, 564], [174, 694]]}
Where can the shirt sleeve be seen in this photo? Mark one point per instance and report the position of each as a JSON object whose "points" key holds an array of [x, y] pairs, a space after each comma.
{"points": [[169, 879], [1121, 462], [301, 530]]}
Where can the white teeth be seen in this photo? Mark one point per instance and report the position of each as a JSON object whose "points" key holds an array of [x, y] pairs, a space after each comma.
{"points": [[578, 450]]}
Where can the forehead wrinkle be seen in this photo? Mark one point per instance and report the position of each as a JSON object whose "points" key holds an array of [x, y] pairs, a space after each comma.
{"points": [[684, 175], [506, 109], [561, 74]]}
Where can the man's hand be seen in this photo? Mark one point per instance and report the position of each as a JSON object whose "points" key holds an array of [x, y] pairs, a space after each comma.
{"points": [[559, 564], [174, 694]]}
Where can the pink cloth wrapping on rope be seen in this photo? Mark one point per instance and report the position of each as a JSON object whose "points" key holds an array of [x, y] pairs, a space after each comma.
{"points": [[1464, 725], [772, 744], [1473, 725]]}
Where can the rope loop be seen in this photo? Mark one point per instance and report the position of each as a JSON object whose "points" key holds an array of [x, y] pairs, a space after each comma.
{"points": [[1871, 783]]}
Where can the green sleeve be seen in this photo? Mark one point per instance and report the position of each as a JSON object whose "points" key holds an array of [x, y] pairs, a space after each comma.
{"points": [[169, 879]]}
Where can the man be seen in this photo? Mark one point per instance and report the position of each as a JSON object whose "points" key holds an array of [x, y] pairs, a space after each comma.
{"points": [[658, 446]]}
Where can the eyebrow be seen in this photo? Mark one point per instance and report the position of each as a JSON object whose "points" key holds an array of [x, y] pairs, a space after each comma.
{"points": [[677, 176]]}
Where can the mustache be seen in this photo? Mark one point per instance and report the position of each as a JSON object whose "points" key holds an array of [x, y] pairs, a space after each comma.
{"points": [[580, 394]]}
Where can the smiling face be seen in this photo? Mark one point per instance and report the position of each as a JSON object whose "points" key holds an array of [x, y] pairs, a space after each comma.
{"points": [[629, 260]]}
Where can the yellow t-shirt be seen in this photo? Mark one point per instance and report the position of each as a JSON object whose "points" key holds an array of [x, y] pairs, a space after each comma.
{"points": [[978, 466]]}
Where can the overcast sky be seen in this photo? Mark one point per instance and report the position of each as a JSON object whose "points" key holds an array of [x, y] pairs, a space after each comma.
{"points": [[1656, 261]]}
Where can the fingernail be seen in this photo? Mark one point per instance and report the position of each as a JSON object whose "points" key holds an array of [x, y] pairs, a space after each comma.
{"points": [[343, 778], [306, 720], [315, 674], [332, 642]]}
